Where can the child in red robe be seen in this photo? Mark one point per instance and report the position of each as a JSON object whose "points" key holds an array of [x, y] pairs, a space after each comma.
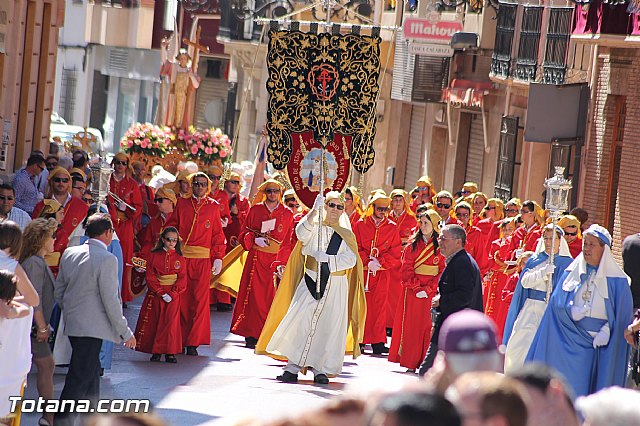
{"points": [[158, 330], [507, 293]]}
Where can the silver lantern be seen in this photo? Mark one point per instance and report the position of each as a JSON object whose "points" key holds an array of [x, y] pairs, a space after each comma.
{"points": [[100, 176]]}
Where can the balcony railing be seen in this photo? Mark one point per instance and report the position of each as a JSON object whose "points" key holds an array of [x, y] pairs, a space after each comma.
{"points": [[505, 29], [554, 66], [527, 60]]}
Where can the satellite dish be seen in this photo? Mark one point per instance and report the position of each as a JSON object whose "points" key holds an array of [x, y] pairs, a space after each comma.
{"points": [[214, 112]]}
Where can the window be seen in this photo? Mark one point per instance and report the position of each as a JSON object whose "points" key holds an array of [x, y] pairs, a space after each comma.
{"points": [[527, 60], [68, 94], [505, 28], [506, 158], [430, 76], [554, 66], [170, 11]]}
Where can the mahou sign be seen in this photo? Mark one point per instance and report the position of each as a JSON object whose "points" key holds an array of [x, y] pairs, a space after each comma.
{"points": [[430, 30]]}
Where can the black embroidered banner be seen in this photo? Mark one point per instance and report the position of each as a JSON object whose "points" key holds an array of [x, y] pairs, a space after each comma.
{"points": [[322, 91]]}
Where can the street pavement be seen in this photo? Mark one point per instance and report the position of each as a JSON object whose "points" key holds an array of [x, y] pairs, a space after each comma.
{"points": [[227, 382]]}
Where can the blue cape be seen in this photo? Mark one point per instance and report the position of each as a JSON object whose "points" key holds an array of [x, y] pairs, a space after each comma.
{"points": [[561, 344], [521, 294]]}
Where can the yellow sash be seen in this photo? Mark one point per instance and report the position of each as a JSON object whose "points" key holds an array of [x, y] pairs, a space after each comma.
{"points": [[272, 248], [168, 279], [420, 266], [311, 265], [195, 252]]}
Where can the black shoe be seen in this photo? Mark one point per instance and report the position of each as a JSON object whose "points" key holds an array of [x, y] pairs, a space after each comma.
{"points": [[379, 349], [224, 307], [389, 332], [101, 371], [171, 359], [287, 377], [124, 305], [192, 350], [155, 358], [321, 379], [250, 342], [362, 348]]}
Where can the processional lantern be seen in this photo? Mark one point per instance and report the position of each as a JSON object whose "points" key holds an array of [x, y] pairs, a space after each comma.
{"points": [[100, 176], [558, 188]]}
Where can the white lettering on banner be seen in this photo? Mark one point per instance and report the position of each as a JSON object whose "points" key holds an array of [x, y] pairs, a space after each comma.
{"points": [[432, 31], [425, 49]]}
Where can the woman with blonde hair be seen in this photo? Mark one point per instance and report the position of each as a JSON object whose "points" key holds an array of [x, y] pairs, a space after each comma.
{"points": [[478, 202], [37, 242]]}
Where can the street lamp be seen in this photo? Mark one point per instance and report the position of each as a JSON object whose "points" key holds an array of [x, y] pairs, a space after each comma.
{"points": [[558, 188], [100, 175]]}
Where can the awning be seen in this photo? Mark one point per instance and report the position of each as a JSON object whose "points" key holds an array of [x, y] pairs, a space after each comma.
{"points": [[466, 93]]}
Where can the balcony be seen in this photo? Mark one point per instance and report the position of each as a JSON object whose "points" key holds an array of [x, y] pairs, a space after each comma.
{"points": [[110, 24]]}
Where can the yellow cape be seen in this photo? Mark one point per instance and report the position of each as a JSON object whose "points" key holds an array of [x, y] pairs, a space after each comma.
{"points": [[231, 273], [292, 277]]}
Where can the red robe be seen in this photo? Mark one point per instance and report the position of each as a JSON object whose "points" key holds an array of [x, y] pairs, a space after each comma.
{"points": [[236, 223], [148, 237], [75, 212], [158, 329], [220, 195], [475, 246], [506, 297], [406, 228], [421, 269], [199, 227], [257, 290], [526, 239], [124, 222], [148, 202], [354, 217], [386, 239], [575, 248], [499, 273], [289, 242]]}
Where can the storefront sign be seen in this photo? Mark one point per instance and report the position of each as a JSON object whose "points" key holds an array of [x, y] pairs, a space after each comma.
{"points": [[429, 30], [427, 49]]}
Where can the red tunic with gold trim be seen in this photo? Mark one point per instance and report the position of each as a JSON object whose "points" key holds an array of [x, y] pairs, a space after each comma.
{"points": [[257, 290], [575, 247], [406, 227], [199, 227], [354, 217], [148, 237], [421, 269], [506, 297], [158, 329], [386, 240], [499, 274], [289, 242], [75, 212], [236, 223], [526, 239], [220, 195], [475, 246], [124, 222]]}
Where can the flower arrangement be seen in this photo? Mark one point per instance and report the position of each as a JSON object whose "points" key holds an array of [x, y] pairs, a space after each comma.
{"points": [[148, 139], [208, 146]]}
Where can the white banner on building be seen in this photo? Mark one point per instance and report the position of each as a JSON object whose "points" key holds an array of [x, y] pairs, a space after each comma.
{"points": [[427, 49]]}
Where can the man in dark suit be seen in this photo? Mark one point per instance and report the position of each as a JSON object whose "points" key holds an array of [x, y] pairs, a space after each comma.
{"points": [[87, 290], [459, 287]]}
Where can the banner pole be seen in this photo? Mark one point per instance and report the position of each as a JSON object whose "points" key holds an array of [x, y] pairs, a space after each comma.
{"points": [[320, 221]]}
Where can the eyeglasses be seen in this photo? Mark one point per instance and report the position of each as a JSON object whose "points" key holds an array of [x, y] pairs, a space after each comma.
{"points": [[336, 206], [63, 180], [121, 163], [7, 198], [51, 165], [441, 237], [382, 209], [515, 211], [290, 200], [203, 184], [79, 188], [490, 207], [465, 192], [272, 191], [87, 200], [423, 188], [171, 240], [571, 234], [159, 200], [214, 177], [443, 206], [235, 182]]}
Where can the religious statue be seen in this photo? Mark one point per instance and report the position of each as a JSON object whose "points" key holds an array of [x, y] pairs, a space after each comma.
{"points": [[183, 80]]}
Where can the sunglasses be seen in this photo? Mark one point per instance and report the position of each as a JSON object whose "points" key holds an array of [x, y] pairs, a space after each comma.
{"points": [[423, 188], [7, 198], [382, 209], [235, 182], [214, 177], [203, 184], [79, 188], [159, 200], [335, 206], [51, 165], [465, 192], [571, 234], [290, 200], [443, 206], [88, 200], [272, 191], [491, 207], [511, 211], [121, 163], [171, 240], [63, 180]]}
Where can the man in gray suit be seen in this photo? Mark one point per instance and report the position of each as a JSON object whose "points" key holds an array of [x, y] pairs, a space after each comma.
{"points": [[87, 291]]}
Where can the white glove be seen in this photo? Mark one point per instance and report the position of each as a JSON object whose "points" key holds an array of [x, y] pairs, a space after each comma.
{"points": [[579, 312], [261, 242], [549, 269], [122, 207], [224, 221], [602, 338], [519, 253], [217, 267], [166, 298], [374, 265], [321, 256], [318, 202]]}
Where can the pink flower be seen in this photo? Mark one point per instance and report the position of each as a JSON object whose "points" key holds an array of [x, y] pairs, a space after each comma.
{"points": [[144, 143], [129, 143], [215, 150], [138, 134], [223, 153], [147, 141], [208, 151], [194, 149]]}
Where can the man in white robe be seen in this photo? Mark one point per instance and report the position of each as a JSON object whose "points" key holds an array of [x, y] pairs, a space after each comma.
{"points": [[313, 333]]}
